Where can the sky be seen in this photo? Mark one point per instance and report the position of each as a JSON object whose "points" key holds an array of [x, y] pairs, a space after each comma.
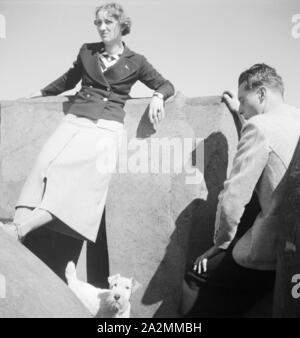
{"points": [[201, 46]]}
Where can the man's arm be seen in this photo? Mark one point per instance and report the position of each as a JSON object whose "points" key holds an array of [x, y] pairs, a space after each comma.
{"points": [[248, 165]]}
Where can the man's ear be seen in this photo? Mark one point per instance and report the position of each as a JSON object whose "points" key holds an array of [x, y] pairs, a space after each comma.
{"points": [[112, 279], [262, 92], [134, 285]]}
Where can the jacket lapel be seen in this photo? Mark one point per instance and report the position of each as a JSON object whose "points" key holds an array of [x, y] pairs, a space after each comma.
{"points": [[123, 68], [90, 61]]}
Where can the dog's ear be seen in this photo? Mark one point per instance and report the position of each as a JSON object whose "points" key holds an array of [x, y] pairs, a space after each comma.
{"points": [[112, 279], [135, 285]]}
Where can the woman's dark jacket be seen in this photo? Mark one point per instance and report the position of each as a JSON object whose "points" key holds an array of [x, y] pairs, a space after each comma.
{"points": [[103, 95]]}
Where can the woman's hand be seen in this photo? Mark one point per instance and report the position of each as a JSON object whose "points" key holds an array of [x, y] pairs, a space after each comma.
{"points": [[156, 110], [200, 264]]}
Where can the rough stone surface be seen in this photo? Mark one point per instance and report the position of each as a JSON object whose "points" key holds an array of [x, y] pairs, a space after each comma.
{"points": [[155, 222], [29, 289]]}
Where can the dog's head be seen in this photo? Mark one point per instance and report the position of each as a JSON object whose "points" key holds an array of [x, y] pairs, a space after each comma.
{"points": [[121, 289]]}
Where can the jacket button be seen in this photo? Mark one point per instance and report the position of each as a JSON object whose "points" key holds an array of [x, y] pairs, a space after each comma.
{"points": [[88, 95], [105, 99], [91, 86]]}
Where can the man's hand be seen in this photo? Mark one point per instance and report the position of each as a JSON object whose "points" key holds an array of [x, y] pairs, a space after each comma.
{"points": [[156, 110], [200, 264], [231, 101]]}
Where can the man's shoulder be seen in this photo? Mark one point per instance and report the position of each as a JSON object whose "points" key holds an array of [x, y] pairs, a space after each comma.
{"points": [[256, 125], [280, 114], [259, 120]]}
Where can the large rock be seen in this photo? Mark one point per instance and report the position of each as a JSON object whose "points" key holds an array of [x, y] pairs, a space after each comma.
{"points": [[155, 221], [28, 288]]}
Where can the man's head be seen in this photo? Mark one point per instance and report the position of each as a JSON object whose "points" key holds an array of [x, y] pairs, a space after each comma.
{"points": [[259, 87]]}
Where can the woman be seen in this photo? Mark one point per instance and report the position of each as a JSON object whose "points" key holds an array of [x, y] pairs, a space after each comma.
{"points": [[68, 181]]}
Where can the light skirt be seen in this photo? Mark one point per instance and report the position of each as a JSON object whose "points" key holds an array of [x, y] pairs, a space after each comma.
{"points": [[71, 176]]}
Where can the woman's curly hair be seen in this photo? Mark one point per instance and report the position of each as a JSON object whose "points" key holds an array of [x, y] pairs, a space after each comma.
{"points": [[116, 11]]}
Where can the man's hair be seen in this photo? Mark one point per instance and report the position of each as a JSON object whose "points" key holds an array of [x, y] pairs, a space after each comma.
{"points": [[262, 75], [115, 10]]}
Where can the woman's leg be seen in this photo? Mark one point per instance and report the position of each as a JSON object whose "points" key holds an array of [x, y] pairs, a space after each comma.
{"points": [[28, 215], [53, 248], [38, 218], [26, 220], [22, 214]]}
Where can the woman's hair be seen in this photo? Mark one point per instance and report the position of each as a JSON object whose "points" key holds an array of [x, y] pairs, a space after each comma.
{"points": [[261, 75], [115, 10]]}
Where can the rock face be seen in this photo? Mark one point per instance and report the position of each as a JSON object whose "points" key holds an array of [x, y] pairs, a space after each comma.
{"points": [[29, 289], [156, 220]]}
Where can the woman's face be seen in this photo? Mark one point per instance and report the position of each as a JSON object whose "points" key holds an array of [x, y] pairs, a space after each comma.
{"points": [[108, 28]]}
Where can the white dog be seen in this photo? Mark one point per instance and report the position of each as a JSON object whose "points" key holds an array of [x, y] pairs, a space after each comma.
{"points": [[103, 303]]}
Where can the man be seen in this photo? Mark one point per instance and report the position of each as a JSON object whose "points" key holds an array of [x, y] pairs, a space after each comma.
{"points": [[235, 273]]}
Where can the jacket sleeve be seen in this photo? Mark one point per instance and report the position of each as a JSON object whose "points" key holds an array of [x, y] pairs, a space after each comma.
{"points": [[67, 81], [154, 80], [248, 165]]}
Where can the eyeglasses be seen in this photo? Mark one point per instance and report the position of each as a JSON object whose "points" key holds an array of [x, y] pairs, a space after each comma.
{"points": [[97, 22]]}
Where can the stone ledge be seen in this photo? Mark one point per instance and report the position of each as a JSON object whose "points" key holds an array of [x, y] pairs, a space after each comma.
{"points": [[154, 223]]}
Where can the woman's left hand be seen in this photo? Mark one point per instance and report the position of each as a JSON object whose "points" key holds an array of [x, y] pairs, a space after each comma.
{"points": [[156, 110]]}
